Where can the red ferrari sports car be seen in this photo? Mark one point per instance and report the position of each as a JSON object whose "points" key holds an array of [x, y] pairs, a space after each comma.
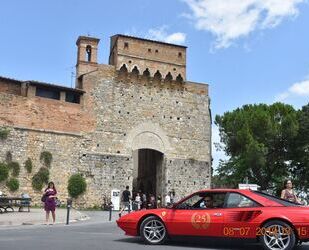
{"points": [[276, 223]]}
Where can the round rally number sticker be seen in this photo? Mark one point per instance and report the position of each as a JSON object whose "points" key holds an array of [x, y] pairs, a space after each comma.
{"points": [[200, 221]]}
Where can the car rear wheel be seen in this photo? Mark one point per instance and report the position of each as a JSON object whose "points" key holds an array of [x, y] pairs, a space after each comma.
{"points": [[277, 235], [153, 231]]}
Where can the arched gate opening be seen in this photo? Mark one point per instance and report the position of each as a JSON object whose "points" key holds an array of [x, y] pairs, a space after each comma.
{"points": [[148, 171]]}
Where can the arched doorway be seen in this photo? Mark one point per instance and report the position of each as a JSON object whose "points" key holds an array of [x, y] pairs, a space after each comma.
{"points": [[150, 145], [148, 171]]}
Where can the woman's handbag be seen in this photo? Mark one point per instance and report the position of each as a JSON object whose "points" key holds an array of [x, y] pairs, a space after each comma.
{"points": [[44, 197]]}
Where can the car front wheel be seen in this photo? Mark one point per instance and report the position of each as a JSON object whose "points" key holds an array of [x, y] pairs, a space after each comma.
{"points": [[277, 235], [153, 231]]}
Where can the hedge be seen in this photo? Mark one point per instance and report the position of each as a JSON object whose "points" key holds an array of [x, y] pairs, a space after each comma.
{"points": [[4, 172], [13, 184], [40, 178], [28, 165], [77, 185], [47, 158]]}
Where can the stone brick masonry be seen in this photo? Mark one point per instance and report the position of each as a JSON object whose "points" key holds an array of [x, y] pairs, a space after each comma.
{"points": [[118, 114]]}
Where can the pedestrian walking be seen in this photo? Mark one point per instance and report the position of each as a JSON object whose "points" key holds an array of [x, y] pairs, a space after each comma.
{"points": [[125, 199], [48, 198]]}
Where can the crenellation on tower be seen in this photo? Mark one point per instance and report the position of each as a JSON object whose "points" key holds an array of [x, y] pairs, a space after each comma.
{"points": [[168, 61]]}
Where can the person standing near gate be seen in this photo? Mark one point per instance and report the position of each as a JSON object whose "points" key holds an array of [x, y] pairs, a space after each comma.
{"points": [[174, 198], [168, 199], [138, 201], [125, 199], [144, 201], [49, 202]]}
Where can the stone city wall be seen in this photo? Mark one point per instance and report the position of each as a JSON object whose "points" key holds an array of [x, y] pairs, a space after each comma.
{"points": [[98, 137], [28, 143]]}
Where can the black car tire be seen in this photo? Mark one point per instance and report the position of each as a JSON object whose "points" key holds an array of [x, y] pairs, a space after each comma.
{"points": [[153, 231], [277, 234]]}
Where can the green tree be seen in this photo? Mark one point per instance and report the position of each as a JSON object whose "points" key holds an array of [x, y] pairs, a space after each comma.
{"points": [[300, 151], [257, 138]]}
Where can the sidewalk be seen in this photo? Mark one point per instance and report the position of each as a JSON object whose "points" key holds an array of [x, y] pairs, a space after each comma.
{"points": [[36, 216]]}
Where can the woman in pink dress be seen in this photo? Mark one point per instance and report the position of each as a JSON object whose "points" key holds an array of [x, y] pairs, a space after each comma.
{"points": [[50, 203]]}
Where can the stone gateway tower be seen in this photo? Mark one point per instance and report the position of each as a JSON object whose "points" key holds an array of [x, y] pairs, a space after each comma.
{"points": [[136, 121]]}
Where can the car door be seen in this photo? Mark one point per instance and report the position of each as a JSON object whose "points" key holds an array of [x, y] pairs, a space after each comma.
{"points": [[239, 216], [187, 218]]}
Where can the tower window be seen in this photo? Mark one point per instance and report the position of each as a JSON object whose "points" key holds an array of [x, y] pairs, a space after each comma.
{"points": [[179, 54], [149, 50], [126, 45], [88, 51], [157, 51]]}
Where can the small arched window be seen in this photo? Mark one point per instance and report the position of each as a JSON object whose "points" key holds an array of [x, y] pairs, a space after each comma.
{"points": [[168, 77], [146, 73], [135, 71], [88, 53], [157, 76], [179, 78], [123, 69]]}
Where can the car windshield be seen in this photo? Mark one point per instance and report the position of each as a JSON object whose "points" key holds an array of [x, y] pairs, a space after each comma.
{"points": [[276, 199]]}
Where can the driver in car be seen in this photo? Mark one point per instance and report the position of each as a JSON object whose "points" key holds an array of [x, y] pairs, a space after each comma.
{"points": [[207, 202]]}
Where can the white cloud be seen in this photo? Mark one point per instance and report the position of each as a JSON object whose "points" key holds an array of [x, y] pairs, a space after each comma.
{"points": [[297, 89], [160, 34], [300, 88], [229, 20], [176, 38]]}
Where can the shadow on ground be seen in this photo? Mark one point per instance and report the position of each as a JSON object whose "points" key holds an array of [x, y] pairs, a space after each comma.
{"points": [[209, 243], [185, 242]]}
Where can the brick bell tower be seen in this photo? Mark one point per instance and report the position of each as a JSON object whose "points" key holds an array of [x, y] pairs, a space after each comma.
{"points": [[87, 55]]}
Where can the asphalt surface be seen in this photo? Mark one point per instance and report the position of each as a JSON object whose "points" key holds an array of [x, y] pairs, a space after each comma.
{"points": [[100, 234], [36, 216]]}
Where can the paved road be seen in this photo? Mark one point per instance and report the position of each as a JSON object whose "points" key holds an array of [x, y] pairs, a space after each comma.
{"points": [[97, 234]]}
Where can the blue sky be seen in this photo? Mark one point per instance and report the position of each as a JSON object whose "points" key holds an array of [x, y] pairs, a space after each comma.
{"points": [[249, 51]]}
